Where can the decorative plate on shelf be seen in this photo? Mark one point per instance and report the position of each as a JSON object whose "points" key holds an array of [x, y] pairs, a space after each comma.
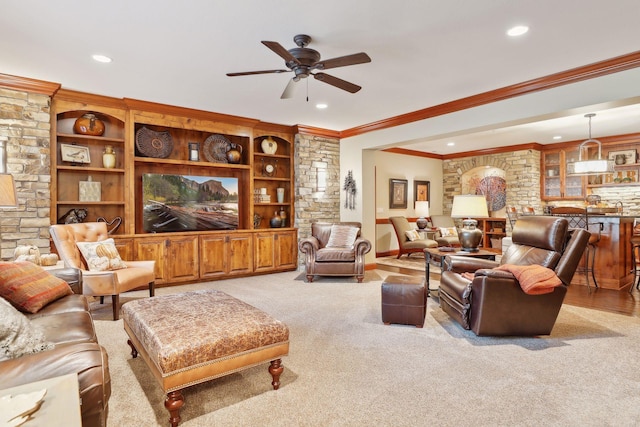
{"points": [[215, 148], [150, 143]]}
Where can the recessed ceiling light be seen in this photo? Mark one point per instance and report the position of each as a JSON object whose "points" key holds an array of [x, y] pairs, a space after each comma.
{"points": [[557, 137], [518, 30], [101, 58], [321, 106], [451, 144]]}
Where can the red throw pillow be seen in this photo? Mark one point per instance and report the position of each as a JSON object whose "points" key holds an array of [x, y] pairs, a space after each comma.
{"points": [[28, 287]]}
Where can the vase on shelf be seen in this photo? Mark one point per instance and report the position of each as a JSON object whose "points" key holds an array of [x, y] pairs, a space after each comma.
{"points": [[109, 157], [88, 124], [276, 221], [283, 218], [280, 195], [234, 154], [269, 146]]}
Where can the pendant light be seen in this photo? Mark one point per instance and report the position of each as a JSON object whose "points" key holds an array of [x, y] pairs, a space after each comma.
{"points": [[590, 167]]}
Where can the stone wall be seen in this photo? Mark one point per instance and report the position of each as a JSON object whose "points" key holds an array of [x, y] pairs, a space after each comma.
{"points": [[522, 169], [311, 153], [25, 123]]}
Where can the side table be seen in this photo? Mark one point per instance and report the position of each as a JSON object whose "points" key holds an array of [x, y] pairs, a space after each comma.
{"points": [[439, 255], [61, 405]]}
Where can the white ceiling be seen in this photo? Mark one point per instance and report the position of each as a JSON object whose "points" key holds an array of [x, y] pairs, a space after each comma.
{"points": [[424, 53]]}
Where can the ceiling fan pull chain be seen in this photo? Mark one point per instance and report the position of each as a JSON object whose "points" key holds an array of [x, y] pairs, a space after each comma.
{"points": [[307, 89]]}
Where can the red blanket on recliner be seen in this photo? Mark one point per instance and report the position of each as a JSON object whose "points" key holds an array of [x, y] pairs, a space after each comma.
{"points": [[534, 279]]}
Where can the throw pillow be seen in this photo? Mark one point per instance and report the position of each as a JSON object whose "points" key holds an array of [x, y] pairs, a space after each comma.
{"points": [[342, 236], [448, 232], [29, 287], [412, 235], [17, 335], [101, 256]]}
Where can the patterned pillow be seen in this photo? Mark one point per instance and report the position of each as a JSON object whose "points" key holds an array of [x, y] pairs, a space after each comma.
{"points": [[17, 335], [28, 287], [342, 236], [412, 235], [448, 232], [101, 256]]}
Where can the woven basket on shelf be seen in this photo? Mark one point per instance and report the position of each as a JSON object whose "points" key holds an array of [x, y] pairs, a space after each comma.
{"points": [[151, 143]]}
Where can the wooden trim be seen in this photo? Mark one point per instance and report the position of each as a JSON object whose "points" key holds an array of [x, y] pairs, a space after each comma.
{"points": [[309, 130], [496, 150], [89, 98], [28, 85], [574, 75], [413, 153], [154, 107]]}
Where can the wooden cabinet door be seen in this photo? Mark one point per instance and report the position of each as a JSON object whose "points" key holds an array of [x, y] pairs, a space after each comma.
{"points": [[182, 259], [264, 250], [125, 249], [555, 184], [213, 256], [240, 253], [153, 249], [286, 250]]}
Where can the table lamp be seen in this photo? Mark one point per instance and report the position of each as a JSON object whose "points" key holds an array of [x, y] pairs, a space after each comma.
{"points": [[422, 211], [468, 206]]}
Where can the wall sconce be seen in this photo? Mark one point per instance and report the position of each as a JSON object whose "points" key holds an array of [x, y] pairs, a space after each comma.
{"points": [[8, 196], [321, 176]]}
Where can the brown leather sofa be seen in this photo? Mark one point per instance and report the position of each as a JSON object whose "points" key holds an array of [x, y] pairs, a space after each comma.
{"points": [[323, 260], [67, 323], [493, 303]]}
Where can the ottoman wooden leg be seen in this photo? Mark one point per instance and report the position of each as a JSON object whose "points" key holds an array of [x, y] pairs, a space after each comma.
{"points": [[173, 403], [275, 369], [134, 351]]}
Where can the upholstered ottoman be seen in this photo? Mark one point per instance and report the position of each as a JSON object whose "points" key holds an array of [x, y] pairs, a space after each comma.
{"points": [[404, 300], [193, 337]]}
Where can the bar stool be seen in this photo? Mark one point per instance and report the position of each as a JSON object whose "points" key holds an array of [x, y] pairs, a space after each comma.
{"points": [[512, 215], [579, 218], [528, 210], [635, 254]]}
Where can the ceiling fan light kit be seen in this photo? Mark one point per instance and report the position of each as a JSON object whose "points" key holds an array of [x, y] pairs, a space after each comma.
{"points": [[303, 61]]}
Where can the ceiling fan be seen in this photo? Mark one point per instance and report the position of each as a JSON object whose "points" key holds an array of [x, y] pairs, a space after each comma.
{"points": [[303, 60]]}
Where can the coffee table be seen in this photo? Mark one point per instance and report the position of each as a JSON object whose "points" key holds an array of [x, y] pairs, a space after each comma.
{"points": [[438, 255]]}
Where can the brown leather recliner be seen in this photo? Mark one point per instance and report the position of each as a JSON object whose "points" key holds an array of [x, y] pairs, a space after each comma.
{"points": [[321, 260], [493, 303]]}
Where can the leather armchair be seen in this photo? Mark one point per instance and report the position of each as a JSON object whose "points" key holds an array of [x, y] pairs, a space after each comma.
{"points": [[493, 303], [333, 261], [100, 283]]}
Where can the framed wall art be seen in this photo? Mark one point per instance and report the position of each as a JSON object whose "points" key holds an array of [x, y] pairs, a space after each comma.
{"points": [[625, 157], [398, 193], [74, 153], [420, 191]]}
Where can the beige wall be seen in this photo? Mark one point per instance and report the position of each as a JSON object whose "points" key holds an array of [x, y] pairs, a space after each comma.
{"points": [[399, 166]]}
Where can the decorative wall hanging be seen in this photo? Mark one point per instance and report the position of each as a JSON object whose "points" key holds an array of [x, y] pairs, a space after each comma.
{"points": [[350, 191], [398, 193], [420, 191]]}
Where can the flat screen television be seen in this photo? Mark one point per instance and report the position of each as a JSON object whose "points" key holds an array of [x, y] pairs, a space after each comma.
{"points": [[189, 203]]}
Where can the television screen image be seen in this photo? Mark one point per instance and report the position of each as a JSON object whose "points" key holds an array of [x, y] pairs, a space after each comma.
{"points": [[189, 203]]}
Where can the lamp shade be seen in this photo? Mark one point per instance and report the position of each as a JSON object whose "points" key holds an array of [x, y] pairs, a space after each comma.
{"points": [[8, 197], [469, 206], [422, 209]]}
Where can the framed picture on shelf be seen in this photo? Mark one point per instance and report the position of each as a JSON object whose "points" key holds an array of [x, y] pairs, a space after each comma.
{"points": [[398, 193], [74, 153], [624, 157], [420, 191]]}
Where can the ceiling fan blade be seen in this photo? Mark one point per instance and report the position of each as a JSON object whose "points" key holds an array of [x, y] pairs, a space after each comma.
{"points": [[248, 73], [339, 83], [342, 61], [288, 91], [281, 51]]}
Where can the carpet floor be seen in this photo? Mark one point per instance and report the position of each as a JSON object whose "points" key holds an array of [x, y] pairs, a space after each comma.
{"points": [[346, 368]]}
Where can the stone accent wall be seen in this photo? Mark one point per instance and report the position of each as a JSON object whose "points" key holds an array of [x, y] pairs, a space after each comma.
{"points": [[522, 169], [312, 152], [25, 122]]}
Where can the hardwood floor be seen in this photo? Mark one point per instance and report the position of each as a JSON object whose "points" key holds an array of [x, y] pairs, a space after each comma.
{"points": [[620, 302]]}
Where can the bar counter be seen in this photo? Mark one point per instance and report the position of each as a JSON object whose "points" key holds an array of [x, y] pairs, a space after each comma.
{"points": [[613, 263]]}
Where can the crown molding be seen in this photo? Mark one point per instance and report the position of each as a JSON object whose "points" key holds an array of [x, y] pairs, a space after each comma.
{"points": [[28, 85]]}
